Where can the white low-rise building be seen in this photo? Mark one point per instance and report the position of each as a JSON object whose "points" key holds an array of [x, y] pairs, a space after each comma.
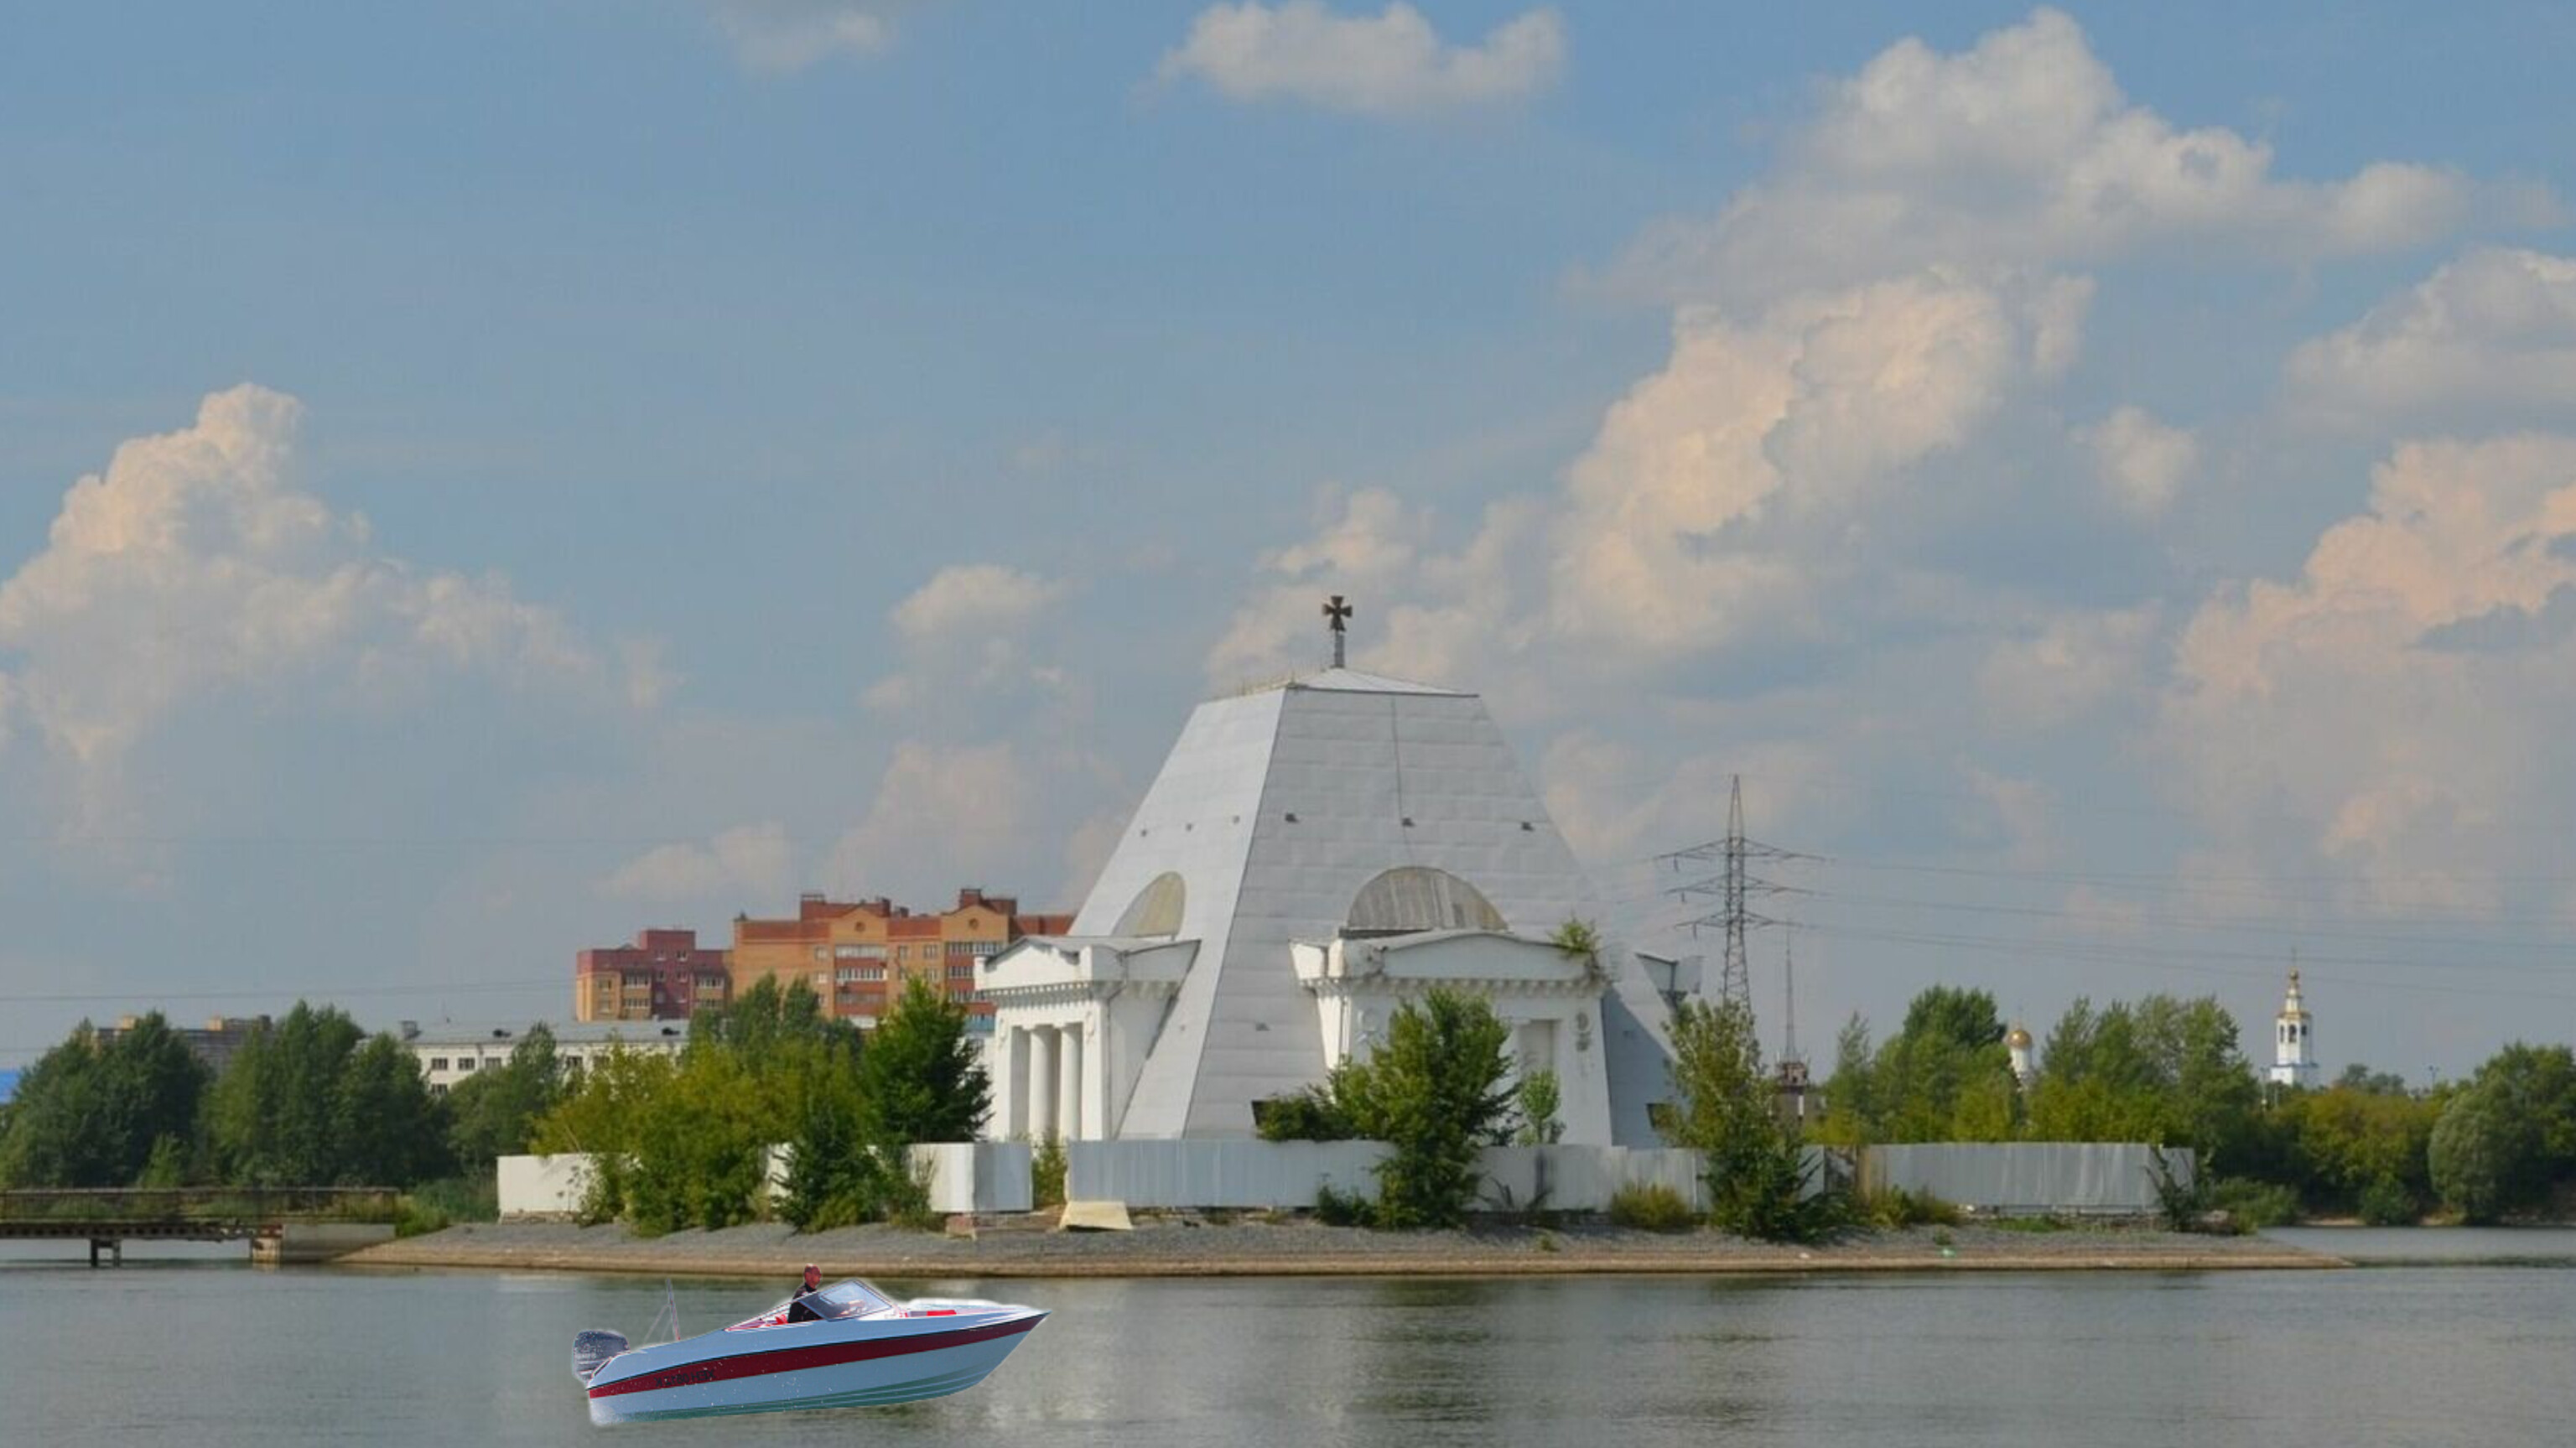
{"points": [[449, 1054], [1311, 855]]}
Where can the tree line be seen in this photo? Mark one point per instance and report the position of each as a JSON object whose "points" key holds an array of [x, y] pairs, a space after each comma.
{"points": [[2171, 1071], [774, 1107], [309, 1100], [312, 1100]]}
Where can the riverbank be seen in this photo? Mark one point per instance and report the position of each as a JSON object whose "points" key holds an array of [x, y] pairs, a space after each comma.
{"points": [[1253, 1248]]}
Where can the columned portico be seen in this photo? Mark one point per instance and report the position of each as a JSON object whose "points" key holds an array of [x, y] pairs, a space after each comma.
{"points": [[1088, 1011]]}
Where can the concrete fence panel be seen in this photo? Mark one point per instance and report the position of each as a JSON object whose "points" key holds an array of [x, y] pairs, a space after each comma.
{"points": [[1581, 1178], [2034, 1177], [978, 1176], [1218, 1175], [543, 1186]]}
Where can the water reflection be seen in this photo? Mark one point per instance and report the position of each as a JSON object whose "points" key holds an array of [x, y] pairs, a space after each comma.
{"points": [[2435, 1356]]}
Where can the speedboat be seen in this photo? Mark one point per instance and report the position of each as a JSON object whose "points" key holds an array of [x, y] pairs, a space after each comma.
{"points": [[845, 1345]]}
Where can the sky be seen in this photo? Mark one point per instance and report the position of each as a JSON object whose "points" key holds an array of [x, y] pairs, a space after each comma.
{"points": [[478, 480]]}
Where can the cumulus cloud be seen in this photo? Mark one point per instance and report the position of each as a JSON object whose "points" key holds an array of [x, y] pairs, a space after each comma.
{"points": [[2021, 150], [2491, 335], [1724, 487], [942, 812], [2344, 702], [1393, 62], [965, 599], [2068, 668], [194, 566], [789, 35], [969, 628], [2141, 462], [749, 860]]}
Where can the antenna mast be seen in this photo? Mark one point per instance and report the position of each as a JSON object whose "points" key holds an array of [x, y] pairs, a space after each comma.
{"points": [[1789, 996]]}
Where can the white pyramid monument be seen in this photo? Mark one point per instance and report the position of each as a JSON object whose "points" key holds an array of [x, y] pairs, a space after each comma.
{"points": [[1312, 854]]}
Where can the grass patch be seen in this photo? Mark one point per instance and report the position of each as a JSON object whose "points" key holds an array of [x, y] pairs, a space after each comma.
{"points": [[2251, 1206], [1651, 1207], [436, 1206], [1894, 1209]]}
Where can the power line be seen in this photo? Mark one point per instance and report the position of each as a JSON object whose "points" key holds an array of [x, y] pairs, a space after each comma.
{"points": [[2203, 924], [280, 992], [2153, 958]]}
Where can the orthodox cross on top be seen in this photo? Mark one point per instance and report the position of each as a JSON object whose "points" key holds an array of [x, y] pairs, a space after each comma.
{"points": [[1337, 617]]}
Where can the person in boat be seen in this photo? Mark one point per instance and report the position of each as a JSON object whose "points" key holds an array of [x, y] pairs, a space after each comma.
{"points": [[797, 1311]]}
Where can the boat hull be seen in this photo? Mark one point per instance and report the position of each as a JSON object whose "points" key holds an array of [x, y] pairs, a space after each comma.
{"points": [[856, 1371]]}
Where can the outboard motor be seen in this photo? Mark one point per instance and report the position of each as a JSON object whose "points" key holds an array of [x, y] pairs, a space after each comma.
{"points": [[593, 1347]]}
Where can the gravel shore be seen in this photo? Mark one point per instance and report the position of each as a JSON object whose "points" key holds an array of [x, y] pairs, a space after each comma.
{"points": [[1251, 1247]]}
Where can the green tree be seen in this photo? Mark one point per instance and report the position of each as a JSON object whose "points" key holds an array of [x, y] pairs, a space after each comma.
{"points": [[2359, 1077], [390, 1130], [2507, 1143], [2352, 1140], [688, 1145], [603, 1119], [1944, 1076], [276, 1112], [494, 1113], [1433, 1092], [1539, 1097], [1851, 1092], [89, 1115], [2164, 1071], [1722, 1108], [920, 1078], [833, 1178], [2475, 1153], [922, 1075], [701, 1155], [1311, 1113]]}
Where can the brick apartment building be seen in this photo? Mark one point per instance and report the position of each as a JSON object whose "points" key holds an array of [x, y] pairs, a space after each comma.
{"points": [[856, 954], [663, 976]]}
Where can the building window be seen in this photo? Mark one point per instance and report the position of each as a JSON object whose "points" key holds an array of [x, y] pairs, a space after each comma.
{"points": [[1409, 898], [1157, 908], [872, 972], [438, 1063], [819, 953], [862, 951], [464, 1065], [962, 972]]}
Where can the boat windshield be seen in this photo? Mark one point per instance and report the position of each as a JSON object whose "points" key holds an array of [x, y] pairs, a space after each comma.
{"points": [[847, 1298]]}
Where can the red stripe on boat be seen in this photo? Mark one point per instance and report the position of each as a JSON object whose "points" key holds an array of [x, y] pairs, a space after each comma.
{"points": [[795, 1359]]}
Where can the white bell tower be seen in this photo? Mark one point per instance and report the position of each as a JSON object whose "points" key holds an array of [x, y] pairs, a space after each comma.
{"points": [[2294, 1059]]}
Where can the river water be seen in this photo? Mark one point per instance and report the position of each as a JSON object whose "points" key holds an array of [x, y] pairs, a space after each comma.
{"points": [[212, 1351]]}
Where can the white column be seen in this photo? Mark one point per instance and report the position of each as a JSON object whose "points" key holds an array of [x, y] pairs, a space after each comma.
{"points": [[1069, 1090], [1042, 1071], [1013, 1088]]}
